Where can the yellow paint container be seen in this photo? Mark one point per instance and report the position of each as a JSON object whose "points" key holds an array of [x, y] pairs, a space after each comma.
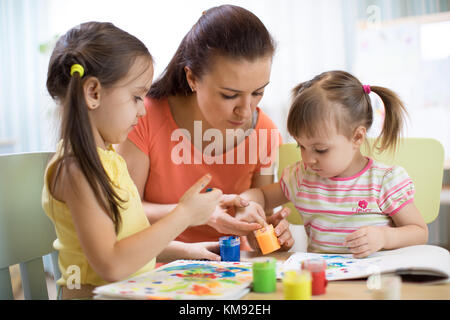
{"points": [[297, 285]]}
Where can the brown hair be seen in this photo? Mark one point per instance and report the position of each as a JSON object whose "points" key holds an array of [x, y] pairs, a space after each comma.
{"points": [[228, 31], [337, 97], [107, 53]]}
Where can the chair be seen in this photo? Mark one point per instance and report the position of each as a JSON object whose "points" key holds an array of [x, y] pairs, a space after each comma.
{"points": [[422, 158], [26, 233]]}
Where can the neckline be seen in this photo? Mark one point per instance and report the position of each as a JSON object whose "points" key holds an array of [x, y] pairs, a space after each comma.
{"points": [[368, 165], [196, 151]]}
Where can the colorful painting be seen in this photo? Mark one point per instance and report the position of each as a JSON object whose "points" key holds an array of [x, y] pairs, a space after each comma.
{"points": [[339, 266], [185, 279]]}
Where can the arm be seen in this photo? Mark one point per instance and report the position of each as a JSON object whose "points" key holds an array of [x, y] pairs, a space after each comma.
{"points": [[138, 164], [410, 229], [116, 259]]}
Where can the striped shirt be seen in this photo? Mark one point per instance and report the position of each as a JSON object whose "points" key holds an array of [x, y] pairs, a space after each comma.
{"points": [[332, 208]]}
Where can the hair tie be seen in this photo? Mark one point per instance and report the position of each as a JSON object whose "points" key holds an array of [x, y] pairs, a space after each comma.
{"points": [[366, 88], [77, 68]]}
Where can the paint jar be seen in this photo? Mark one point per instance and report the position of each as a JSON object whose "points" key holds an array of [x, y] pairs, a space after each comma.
{"points": [[388, 288], [317, 267], [230, 248], [267, 240], [297, 285], [265, 275]]}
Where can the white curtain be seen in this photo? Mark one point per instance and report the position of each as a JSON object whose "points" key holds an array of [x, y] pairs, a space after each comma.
{"points": [[23, 98]]}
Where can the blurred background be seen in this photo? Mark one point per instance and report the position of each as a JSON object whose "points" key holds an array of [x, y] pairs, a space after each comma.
{"points": [[401, 44]]}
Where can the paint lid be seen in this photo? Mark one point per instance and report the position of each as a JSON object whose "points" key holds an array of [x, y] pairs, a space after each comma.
{"points": [[314, 265], [229, 241], [297, 276], [264, 263]]}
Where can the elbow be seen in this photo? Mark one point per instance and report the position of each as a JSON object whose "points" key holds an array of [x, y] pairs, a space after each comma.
{"points": [[425, 234], [110, 272]]}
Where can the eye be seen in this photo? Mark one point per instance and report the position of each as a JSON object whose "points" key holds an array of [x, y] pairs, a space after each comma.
{"points": [[261, 93], [228, 97], [321, 150], [137, 99]]}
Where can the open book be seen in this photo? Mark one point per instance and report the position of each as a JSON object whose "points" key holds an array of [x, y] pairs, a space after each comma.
{"points": [[424, 263], [184, 279]]}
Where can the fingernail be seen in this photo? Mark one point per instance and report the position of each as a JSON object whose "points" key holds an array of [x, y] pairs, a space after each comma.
{"points": [[244, 202]]}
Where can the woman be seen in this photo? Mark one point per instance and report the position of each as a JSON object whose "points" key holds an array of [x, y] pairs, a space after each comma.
{"points": [[202, 117]]}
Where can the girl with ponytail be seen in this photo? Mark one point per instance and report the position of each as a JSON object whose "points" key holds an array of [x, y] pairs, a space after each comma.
{"points": [[99, 75], [349, 202]]}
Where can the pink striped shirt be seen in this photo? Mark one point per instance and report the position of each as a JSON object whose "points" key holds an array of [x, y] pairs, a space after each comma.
{"points": [[333, 208]]}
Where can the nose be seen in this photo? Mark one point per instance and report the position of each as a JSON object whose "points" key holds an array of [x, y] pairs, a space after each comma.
{"points": [[308, 159], [244, 109], [141, 111]]}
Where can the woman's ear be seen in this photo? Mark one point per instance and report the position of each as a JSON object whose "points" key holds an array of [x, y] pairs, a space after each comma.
{"points": [[359, 136], [190, 78], [92, 89]]}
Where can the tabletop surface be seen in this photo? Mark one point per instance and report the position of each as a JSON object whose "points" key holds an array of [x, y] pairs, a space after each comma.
{"points": [[352, 289]]}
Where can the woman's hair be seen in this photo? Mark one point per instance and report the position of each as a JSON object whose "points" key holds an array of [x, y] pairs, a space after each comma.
{"points": [[228, 31], [106, 53], [337, 97]]}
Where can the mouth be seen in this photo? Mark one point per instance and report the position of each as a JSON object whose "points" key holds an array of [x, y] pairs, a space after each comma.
{"points": [[236, 123]]}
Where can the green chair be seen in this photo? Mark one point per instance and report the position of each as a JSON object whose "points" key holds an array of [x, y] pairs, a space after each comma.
{"points": [[422, 158], [26, 233]]}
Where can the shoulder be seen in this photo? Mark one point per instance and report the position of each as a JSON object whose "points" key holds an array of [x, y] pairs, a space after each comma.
{"points": [[67, 179], [264, 122]]}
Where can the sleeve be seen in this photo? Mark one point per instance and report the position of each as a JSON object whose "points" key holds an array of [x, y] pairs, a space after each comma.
{"points": [[141, 135], [397, 190], [290, 180]]}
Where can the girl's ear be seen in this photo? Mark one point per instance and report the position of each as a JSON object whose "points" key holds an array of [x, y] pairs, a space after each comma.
{"points": [[190, 78], [359, 136], [92, 89]]}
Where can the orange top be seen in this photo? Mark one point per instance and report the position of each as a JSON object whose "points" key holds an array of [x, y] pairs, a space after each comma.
{"points": [[176, 165]]}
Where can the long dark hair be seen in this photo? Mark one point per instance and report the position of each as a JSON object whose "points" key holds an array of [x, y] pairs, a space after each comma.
{"points": [[340, 97], [107, 53], [228, 31]]}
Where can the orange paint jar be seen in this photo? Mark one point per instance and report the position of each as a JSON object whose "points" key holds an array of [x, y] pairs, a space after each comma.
{"points": [[267, 240]]}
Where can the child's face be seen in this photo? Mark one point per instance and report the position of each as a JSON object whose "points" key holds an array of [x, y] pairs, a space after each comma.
{"points": [[123, 104], [228, 94], [329, 155]]}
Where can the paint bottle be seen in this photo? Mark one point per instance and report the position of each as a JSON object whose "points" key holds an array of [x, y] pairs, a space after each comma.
{"points": [[317, 268], [267, 240], [389, 287], [230, 248], [265, 275], [297, 285]]}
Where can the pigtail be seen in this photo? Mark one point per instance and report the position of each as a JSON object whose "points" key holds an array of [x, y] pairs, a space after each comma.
{"points": [[395, 113], [79, 142]]}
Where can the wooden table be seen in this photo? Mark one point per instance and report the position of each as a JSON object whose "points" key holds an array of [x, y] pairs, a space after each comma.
{"points": [[351, 289]]}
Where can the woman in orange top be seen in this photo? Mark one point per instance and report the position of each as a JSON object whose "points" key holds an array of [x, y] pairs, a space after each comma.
{"points": [[202, 117]]}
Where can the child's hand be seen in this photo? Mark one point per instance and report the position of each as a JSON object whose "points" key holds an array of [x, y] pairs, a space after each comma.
{"points": [[200, 206], [365, 241], [253, 213], [281, 228], [204, 250]]}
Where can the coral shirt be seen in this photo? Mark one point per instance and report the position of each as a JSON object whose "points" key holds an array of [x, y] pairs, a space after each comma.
{"points": [[177, 165]]}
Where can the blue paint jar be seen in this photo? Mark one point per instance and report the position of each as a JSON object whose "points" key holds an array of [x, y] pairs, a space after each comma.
{"points": [[230, 248]]}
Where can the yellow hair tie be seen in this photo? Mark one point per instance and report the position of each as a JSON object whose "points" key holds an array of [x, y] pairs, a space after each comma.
{"points": [[77, 68]]}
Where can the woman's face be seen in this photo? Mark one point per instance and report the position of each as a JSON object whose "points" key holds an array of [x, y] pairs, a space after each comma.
{"points": [[228, 93]]}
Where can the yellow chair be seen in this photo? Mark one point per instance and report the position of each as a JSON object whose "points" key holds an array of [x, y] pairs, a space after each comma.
{"points": [[422, 158], [26, 233]]}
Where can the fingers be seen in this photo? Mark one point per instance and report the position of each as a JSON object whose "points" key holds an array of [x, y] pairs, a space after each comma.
{"points": [[199, 185], [355, 235], [231, 200], [231, 225], [278, 216]]}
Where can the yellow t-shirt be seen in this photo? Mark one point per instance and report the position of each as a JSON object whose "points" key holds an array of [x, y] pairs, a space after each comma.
{"points": [[67, 243]]}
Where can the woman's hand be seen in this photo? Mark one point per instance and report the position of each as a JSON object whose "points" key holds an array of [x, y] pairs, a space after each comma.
{"points": [[223, 221], [365, 241]]}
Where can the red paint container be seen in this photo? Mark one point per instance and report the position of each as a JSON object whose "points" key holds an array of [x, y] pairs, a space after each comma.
{"points": [[317, 268]]}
